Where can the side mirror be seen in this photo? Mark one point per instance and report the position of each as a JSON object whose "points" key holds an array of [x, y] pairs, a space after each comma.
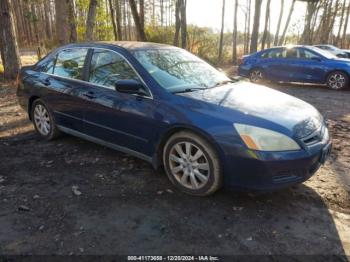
{"points": [[130, 86]]}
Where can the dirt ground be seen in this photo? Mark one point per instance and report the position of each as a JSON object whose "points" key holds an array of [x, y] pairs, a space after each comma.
{"points": [[125, 207]]}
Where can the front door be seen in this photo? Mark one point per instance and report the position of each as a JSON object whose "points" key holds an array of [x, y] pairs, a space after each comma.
{"points": [[123, 119]]}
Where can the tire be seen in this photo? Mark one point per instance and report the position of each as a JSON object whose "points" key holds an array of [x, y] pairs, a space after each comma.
{"points": [[337, 80], [256, 76], [200, 174], [42, 117]]}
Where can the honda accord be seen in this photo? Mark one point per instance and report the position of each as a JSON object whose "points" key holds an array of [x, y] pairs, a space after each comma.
{"points": [[166, 106]]}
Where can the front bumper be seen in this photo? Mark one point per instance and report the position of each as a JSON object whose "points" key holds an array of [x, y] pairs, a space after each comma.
{"points": [[273, 170]]}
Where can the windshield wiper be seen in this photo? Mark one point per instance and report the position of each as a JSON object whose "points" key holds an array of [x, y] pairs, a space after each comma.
{"points": [[187, 90], [222, 83]]}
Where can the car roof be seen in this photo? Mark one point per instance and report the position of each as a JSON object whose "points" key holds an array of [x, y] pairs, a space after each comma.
{"points": [[287, 46], [128, 45]]}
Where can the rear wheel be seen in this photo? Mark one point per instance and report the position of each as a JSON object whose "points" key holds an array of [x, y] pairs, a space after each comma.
{"points": [[192, 164], [43, 120], [337, 80], [256, 76]]}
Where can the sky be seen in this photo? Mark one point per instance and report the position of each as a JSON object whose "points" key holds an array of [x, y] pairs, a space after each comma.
{"points": [[208, 13]]}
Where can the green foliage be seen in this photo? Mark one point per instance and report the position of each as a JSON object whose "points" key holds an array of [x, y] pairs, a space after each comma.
{"points": [[1, 69]]}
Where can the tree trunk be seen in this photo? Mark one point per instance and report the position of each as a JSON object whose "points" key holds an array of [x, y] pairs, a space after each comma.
{"points": [[115, 33], [139, 29], [8, 42], [275, 42], [90, 21], [142, 14], [71, 21], [345, 27], [306, 35], [234, 34], [313, 24], [334, 14], [248, 26], [267, 17], [183, 24], [177, 22], [62, 26], [35, 23], [118, 19], [255, 31], [221, 43], [281, 41], [341, 22], [48, 26]]}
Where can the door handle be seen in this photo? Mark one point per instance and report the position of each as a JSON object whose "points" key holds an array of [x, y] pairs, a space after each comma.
{"points": [[89, 95], [47, 82]]}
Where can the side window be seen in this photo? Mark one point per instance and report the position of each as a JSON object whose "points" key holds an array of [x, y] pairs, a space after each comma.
{"points": [[292, 53], [274, 53], [70, 63], [108, 67], [306, 54], [48, 65]]}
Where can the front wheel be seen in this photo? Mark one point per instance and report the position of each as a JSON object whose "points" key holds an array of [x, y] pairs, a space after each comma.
{"points": [[192, 164], [337, 80], [256, 76]]}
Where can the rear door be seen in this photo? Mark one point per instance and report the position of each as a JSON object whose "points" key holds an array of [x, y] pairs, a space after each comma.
{"points": [[274, 64], [63, 84]]}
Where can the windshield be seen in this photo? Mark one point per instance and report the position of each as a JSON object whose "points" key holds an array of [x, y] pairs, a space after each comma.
{"points": [[177, 70], [323, 53]]}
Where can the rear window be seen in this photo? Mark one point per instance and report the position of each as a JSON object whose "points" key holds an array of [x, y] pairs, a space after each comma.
{"points": [[274, 53], [70, 63]]}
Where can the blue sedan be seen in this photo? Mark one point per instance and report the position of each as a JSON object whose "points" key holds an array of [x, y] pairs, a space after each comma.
{"points": [[170, 108], [306, 64]]}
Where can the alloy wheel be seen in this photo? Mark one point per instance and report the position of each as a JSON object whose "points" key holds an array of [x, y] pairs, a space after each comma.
{"points": [[189, 165], [256, 76], [336, 81], [42, 120]]}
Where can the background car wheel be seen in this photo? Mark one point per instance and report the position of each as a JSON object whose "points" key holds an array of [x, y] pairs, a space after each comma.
{"points": [[337, 80], [192, 164], [43, 120], [256, 76]]}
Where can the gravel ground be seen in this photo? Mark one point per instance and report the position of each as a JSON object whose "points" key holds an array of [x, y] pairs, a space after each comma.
{"points": [[70, 196]]}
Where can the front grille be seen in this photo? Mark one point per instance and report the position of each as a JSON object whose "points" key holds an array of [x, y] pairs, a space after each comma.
{"points": [[288, 176]]}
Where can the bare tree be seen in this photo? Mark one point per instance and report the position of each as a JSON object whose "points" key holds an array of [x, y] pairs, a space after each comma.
{"points": [[267, 18], [234, 34], [222, 31], [140, 30], [345, 26], [306, 35], [275, 42], [281, 41], [255, 31], [177, 22], [90, 21], [341, 22], [8, 42], [183, 24]]}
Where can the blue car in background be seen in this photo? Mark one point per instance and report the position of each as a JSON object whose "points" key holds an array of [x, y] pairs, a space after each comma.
{"points": [[166, 106], [306, 64]]}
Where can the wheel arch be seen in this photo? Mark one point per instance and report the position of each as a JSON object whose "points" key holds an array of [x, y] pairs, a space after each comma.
{"points": [[30, 104], [158, 155], [337, 70]]}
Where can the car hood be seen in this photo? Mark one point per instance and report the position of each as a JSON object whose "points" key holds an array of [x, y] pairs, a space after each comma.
{"points": [[299, 117]]}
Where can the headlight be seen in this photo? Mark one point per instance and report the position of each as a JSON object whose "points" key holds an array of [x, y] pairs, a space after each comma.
{"points": [[262, 139]]}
